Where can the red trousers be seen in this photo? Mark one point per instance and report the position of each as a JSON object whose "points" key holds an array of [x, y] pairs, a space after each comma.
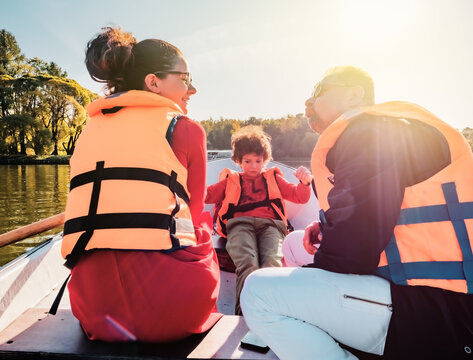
{"points": [[146, 295]]}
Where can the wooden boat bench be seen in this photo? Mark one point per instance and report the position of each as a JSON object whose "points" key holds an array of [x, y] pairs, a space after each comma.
{"points": [[36, 335]]}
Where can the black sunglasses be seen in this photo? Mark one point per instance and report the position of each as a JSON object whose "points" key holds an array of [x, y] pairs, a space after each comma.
{"points": [[187, 79]]}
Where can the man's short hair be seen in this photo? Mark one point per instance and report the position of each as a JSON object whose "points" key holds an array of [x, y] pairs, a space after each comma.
{"points": [[350, 75]]}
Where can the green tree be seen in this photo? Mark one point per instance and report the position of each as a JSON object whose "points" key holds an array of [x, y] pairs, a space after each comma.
{"points": [[219, 133], [64, 98], [37, 66], [252, 121], [14, 130], [39, 140], [468, 134], [11, 61], [38, 90], [74, 126], [290, 135], [11, 58]]}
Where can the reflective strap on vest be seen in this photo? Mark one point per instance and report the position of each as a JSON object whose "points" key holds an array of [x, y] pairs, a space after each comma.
{"points": [[395, 268], [172, 220], [458, 215], [447, 270], [453, 211]]}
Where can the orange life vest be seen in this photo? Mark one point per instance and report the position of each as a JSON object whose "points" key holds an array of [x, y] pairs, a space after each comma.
{"points": [[230, 204], [128, 190], [433, 239]]}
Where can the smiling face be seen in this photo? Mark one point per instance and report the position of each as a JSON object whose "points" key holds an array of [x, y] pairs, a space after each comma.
{"points": [[323, 108], [174, 86], [342, 88], [252, 164]]}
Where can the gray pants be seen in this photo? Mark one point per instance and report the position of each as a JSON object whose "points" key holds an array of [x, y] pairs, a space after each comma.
{"points": [[253, 243]]}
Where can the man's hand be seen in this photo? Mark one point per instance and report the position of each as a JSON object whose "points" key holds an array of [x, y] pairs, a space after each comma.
{"points": [[303, 174], [312, 238]]}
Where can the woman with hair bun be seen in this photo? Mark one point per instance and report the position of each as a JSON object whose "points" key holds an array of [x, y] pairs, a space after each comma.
{"points": [[142, 264]]}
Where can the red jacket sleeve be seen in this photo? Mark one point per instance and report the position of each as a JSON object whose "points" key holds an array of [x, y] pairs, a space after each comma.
{"points": [[216, 192], [190, 146], [299, 194]]}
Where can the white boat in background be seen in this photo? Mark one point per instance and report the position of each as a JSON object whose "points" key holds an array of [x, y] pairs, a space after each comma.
{"points": [[218, 154], [29, 284]]}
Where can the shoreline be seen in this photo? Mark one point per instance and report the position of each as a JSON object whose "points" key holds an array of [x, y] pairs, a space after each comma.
{"points": [[64, 160], [34, 159]]}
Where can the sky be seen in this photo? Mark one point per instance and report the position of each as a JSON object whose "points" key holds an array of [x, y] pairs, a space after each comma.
{"points": [[262, 58]]}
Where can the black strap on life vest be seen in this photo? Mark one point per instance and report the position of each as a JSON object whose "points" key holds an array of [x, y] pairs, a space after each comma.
{"points": [[112, 110], [118, 221], [79, 247], [277, 202], [232, 208], [129, 173], [267, 202], [57, 300], [172, 220], [313, 187], [93, 221]]}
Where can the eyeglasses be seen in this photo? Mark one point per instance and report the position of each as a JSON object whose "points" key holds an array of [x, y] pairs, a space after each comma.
{"points": [[187, 79], [321, 87]]}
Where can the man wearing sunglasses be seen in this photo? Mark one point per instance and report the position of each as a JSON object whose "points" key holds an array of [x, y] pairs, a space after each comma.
{"points": [[393, 275]]}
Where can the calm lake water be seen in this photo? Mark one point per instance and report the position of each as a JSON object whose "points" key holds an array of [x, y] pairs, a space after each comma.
{"points": [[29, 193]]}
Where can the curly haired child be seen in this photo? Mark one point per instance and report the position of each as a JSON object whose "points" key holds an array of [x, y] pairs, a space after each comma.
{"points": [[252, 215]]}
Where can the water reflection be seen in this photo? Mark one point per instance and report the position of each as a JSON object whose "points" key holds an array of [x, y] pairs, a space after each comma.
{"points": [[29, 193]]}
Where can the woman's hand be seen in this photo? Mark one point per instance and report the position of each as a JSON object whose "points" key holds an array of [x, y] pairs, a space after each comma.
{"points": [[312, 238], [303, 174]]}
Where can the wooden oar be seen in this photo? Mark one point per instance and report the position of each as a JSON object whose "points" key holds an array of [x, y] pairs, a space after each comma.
{"points": [[32, 229]]}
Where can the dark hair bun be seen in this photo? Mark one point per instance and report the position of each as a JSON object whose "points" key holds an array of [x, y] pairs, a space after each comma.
{"points": [[108, 57]]}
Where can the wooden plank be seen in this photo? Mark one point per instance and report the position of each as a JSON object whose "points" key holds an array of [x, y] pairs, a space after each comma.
{"points": [[61, 337], [29, 318], [223, 342]]}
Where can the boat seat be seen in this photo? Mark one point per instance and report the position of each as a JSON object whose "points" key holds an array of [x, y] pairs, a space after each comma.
{"points": [[61, 337]]}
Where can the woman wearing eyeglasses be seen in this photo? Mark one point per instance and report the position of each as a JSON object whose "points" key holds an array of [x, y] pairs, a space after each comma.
{"points": [[143, 267]]}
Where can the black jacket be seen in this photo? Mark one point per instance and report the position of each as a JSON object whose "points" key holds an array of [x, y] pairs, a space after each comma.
{"points": [[373, 162]]}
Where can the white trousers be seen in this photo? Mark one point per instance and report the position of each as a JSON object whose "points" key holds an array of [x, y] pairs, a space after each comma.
{"points": [[293, 251], [301, 313]]}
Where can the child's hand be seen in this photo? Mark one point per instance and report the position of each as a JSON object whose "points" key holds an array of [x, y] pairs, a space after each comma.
{"points": [[304, 175]]}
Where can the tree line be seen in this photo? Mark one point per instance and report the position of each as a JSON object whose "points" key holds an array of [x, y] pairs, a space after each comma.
{"points": [[291, 136], [42, 111]]}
